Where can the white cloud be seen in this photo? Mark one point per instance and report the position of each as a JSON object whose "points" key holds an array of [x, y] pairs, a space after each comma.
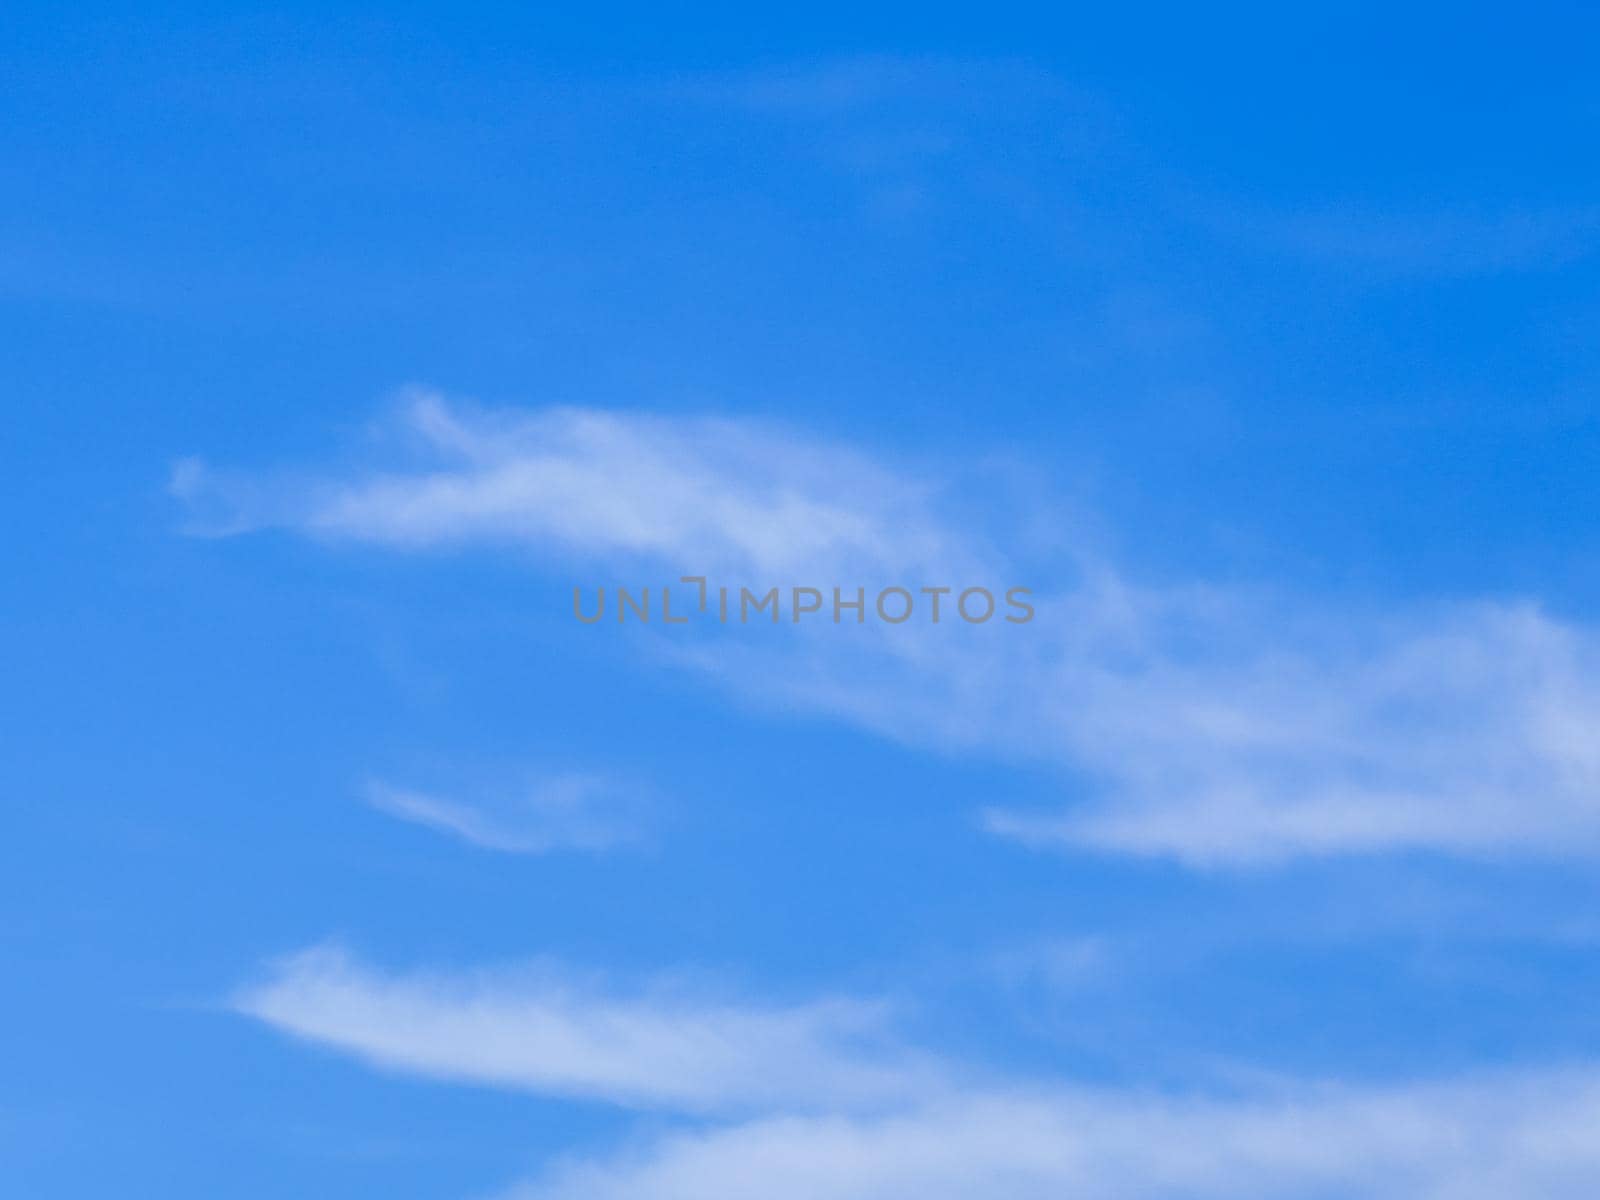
{"points": [[1220, 729], [1204, 723], [820, 1101], [575, 811], [704, 495], [1465, 736], [550, 1031], [1481, 1139]]}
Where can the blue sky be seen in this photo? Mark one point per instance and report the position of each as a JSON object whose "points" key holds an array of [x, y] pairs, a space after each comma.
{"points": [[339, 859]]}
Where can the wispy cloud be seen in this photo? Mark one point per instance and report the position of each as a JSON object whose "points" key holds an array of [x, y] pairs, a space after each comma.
{"points": [[822, 1101], [704, 494], [667, 1044], [1464, 735], [1212, 724], [1479, 1139], [575, 811]]}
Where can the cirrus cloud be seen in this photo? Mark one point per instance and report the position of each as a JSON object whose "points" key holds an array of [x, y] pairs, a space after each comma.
{"points": [[1216, 725]]}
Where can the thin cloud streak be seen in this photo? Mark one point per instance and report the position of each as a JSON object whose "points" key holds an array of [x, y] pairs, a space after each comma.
{"points": [[821, 1101], [1208, 724], [1479, 1139], [704, 494], [568, 812], [551, 1031]]}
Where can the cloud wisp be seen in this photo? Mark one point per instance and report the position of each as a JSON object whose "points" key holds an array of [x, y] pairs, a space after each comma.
{"points": [[822, 1101], [704, 494], [1479, 1139], [564, 812], [1205, 723], [553, 1031]]}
